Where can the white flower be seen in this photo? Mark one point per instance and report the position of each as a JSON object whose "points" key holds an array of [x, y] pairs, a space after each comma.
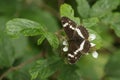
{"points": [[65, 49], [92, 44], [95, 54], [92, 37], [65, 42], [86, 54]]}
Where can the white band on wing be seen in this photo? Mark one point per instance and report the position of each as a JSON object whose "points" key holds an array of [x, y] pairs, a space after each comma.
{"points": [[79, 32], [66, 24], [70, 55], [80, 48]]}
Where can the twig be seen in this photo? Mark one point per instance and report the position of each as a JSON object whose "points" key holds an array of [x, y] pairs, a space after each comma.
{"points": [[20, 66], [60, 2], [49, 9], [104, 77]]}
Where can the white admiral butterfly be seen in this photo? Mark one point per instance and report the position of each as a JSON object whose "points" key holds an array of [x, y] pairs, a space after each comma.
{"points": [[78, 42]]}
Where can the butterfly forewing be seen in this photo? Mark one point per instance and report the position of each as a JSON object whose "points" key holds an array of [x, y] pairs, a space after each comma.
{"points": [[68, 26]]}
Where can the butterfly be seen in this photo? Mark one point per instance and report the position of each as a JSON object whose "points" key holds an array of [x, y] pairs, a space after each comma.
{"points": [[78, 43]]}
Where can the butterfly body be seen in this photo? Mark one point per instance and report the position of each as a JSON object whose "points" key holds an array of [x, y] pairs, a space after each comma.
{"points": [[78, 42]]}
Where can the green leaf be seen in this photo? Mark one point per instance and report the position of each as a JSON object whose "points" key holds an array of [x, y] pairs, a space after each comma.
{"points": [[52, 39], [83, 8], [90, 22], [9, 9], [112, 68], [6, 48], [26, 27], [115, 23], [113, 19], [22, 48], [21, 74], [108, 19], [6, 52], [68, 72], [34, 75], [112, 78], [102, 7], [40, 40], [41, 16], [66, 10], [44, 68], [101, 29], [10, 49], [116, 29], [91, 68], [41, 70]]}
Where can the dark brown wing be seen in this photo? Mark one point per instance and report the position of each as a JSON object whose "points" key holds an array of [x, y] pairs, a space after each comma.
{"points": [[84, 31], [66, 23], [73, 46], [86, 47], [78, 39]]}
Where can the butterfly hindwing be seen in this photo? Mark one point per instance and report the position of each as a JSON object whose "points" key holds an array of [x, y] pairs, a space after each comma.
{"points": [[86, 47], [83, 31], [72, 58]]}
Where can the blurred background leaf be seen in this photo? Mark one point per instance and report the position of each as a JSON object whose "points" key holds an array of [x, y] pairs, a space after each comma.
{"points": [[41, 16], [66, 10], [112, 19], [102, 7], [83, 10], [17, 26], [9, 47], [112, 68]]}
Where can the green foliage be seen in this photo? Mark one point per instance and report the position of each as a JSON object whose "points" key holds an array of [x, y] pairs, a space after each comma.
{"points": [[98, 40], [114, 20], [40, 40], [66, 10], [16, 27], [26, 27], [8, 47], [103, 7], [90, 22], [83, 10], [18, 75], [36, 24], [52, 39], [5, 51], [112, 68], [70, 72], [42, 69], [42, 17]]}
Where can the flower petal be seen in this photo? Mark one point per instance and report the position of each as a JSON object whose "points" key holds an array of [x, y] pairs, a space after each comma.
{"points": [[95, 54]]}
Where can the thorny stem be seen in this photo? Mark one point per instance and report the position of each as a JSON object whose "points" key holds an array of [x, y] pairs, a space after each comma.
{"points": [[21, 65]]}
